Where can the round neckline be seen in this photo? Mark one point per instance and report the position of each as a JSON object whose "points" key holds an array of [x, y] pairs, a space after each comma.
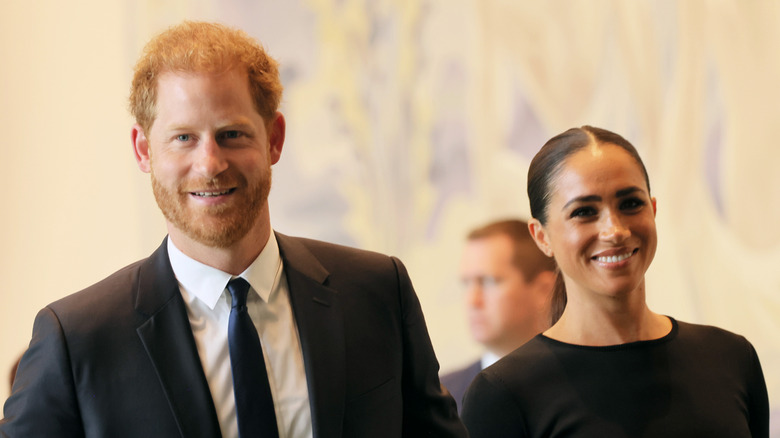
{"points": [[628, 345]]}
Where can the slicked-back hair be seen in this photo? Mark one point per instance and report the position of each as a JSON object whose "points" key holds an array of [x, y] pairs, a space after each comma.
{"points": [[547, 163]]}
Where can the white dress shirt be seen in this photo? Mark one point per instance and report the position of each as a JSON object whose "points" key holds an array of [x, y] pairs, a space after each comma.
{"points": [[208, 308], [489, 359]]}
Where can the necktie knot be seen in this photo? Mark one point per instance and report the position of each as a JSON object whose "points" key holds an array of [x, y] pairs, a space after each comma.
{"points": [[239, 289]]}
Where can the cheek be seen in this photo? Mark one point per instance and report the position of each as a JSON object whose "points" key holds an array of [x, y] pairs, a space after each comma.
{"points": [[652, 240], [510, 299], [169, 166], [253, 163], [576, 238], [562, 245]]}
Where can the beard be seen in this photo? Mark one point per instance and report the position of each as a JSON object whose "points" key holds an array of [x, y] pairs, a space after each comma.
{"points": [[217, 226]]}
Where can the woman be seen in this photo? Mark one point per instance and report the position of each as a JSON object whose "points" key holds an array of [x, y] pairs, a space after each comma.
{"points": [[609, 366]]}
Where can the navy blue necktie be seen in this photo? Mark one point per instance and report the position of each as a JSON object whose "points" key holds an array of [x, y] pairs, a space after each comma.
{"points": [[254, 404]]}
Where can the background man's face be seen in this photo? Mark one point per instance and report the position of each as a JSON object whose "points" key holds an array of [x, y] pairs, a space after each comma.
{"points": [[503, 309]]}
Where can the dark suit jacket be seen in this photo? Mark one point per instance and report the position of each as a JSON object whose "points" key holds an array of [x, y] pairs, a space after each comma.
{"points": [[457, 382], [118, 359]]}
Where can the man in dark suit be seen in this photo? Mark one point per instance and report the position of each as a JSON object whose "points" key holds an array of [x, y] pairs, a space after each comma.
{"points": [[508, 285], [149, 351]]}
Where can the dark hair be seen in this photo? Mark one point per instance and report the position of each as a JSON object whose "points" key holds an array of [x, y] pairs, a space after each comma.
{"points": [[546, 166], [526, 256]]}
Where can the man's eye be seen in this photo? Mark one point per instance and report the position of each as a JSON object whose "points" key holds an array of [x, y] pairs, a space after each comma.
{"points": [[490, 282], [483, 282], [183, 137], [231, 134]]}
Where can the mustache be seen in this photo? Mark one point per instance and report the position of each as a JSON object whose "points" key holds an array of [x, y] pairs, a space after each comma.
{"points": [[219, 182]]}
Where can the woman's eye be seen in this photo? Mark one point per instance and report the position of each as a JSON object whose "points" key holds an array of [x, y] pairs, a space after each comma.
{"points": [[631, 204], [583, 212]]}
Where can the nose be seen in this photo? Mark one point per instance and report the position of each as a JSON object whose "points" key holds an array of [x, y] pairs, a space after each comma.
{"points": [[473, 294], [614, 229], [210, 158]]}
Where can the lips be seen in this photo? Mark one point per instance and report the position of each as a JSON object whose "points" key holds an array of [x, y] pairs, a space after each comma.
{"points": [[211, 194], [615, 258]]}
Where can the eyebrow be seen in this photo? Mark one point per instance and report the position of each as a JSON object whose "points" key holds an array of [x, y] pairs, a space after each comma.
{"points": [[238, 124], [627, 191], [595, 198], [228, 126]]}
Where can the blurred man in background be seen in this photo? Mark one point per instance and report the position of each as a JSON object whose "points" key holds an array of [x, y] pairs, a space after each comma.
{"points": [[508, 284]]}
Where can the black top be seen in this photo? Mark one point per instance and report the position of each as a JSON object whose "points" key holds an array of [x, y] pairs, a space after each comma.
{"points": [[697, 381]]}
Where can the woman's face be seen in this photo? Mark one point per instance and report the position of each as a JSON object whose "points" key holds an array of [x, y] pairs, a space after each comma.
{"points": [[600, 223]]}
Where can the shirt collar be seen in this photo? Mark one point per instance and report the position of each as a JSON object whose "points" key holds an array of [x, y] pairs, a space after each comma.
{"points": [[489, 358], [207, 284]]}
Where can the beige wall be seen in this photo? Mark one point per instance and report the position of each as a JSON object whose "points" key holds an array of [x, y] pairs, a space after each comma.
{"points": [[75, 208]]}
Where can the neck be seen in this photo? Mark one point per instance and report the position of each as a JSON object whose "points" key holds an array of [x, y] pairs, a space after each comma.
{"points": [[609, 321], [233, 259]]}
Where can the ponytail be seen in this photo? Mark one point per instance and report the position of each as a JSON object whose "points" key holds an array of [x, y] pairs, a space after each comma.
{"points": [[559, 299]]}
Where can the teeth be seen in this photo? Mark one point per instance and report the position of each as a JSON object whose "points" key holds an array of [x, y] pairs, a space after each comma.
{"points": [[211, 194], [614, 259]]}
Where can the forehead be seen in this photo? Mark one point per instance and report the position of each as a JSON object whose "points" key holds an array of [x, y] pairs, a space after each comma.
{"points": [[195, 82], [182, 95], [488, 250], [597, 166]]}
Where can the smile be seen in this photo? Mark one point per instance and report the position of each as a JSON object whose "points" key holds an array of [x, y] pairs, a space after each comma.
{"points": [[212, 194], [616, 258]]}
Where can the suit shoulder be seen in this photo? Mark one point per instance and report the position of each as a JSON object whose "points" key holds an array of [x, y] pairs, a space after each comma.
{"points": [[336, 257], [103, 295], [322, 247]]}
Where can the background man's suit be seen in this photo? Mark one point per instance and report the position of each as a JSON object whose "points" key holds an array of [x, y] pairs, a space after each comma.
{"points": [[457, 382], [118, 359]]}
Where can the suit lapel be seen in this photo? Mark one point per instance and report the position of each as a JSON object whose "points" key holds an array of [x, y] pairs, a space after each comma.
{"points": [[167, 337], [318, 315]]}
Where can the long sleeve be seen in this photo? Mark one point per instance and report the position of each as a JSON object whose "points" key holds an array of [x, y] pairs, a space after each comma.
{"points": [[43, 401], [758, 398], [428, 410], [489, 410]]}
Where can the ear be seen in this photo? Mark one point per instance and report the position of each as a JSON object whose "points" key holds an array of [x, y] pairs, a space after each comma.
{"points": [[141, 148], [540, 236], [276, 133], [655, 208]]}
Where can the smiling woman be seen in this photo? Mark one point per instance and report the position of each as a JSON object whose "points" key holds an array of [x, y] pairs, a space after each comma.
{"points": [[609, 366]]}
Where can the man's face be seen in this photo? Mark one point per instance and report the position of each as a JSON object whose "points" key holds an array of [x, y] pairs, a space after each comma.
{"points": [[504, 310], [209, 156]]}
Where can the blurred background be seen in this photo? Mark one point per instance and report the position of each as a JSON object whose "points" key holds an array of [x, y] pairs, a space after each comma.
{"points": [[410, 122]]}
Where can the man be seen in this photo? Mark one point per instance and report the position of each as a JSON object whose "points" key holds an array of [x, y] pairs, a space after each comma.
{"points": [[508, 285], [158, 350]]}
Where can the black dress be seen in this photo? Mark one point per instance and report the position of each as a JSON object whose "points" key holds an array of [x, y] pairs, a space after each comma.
{"points": [[697, 381]]}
